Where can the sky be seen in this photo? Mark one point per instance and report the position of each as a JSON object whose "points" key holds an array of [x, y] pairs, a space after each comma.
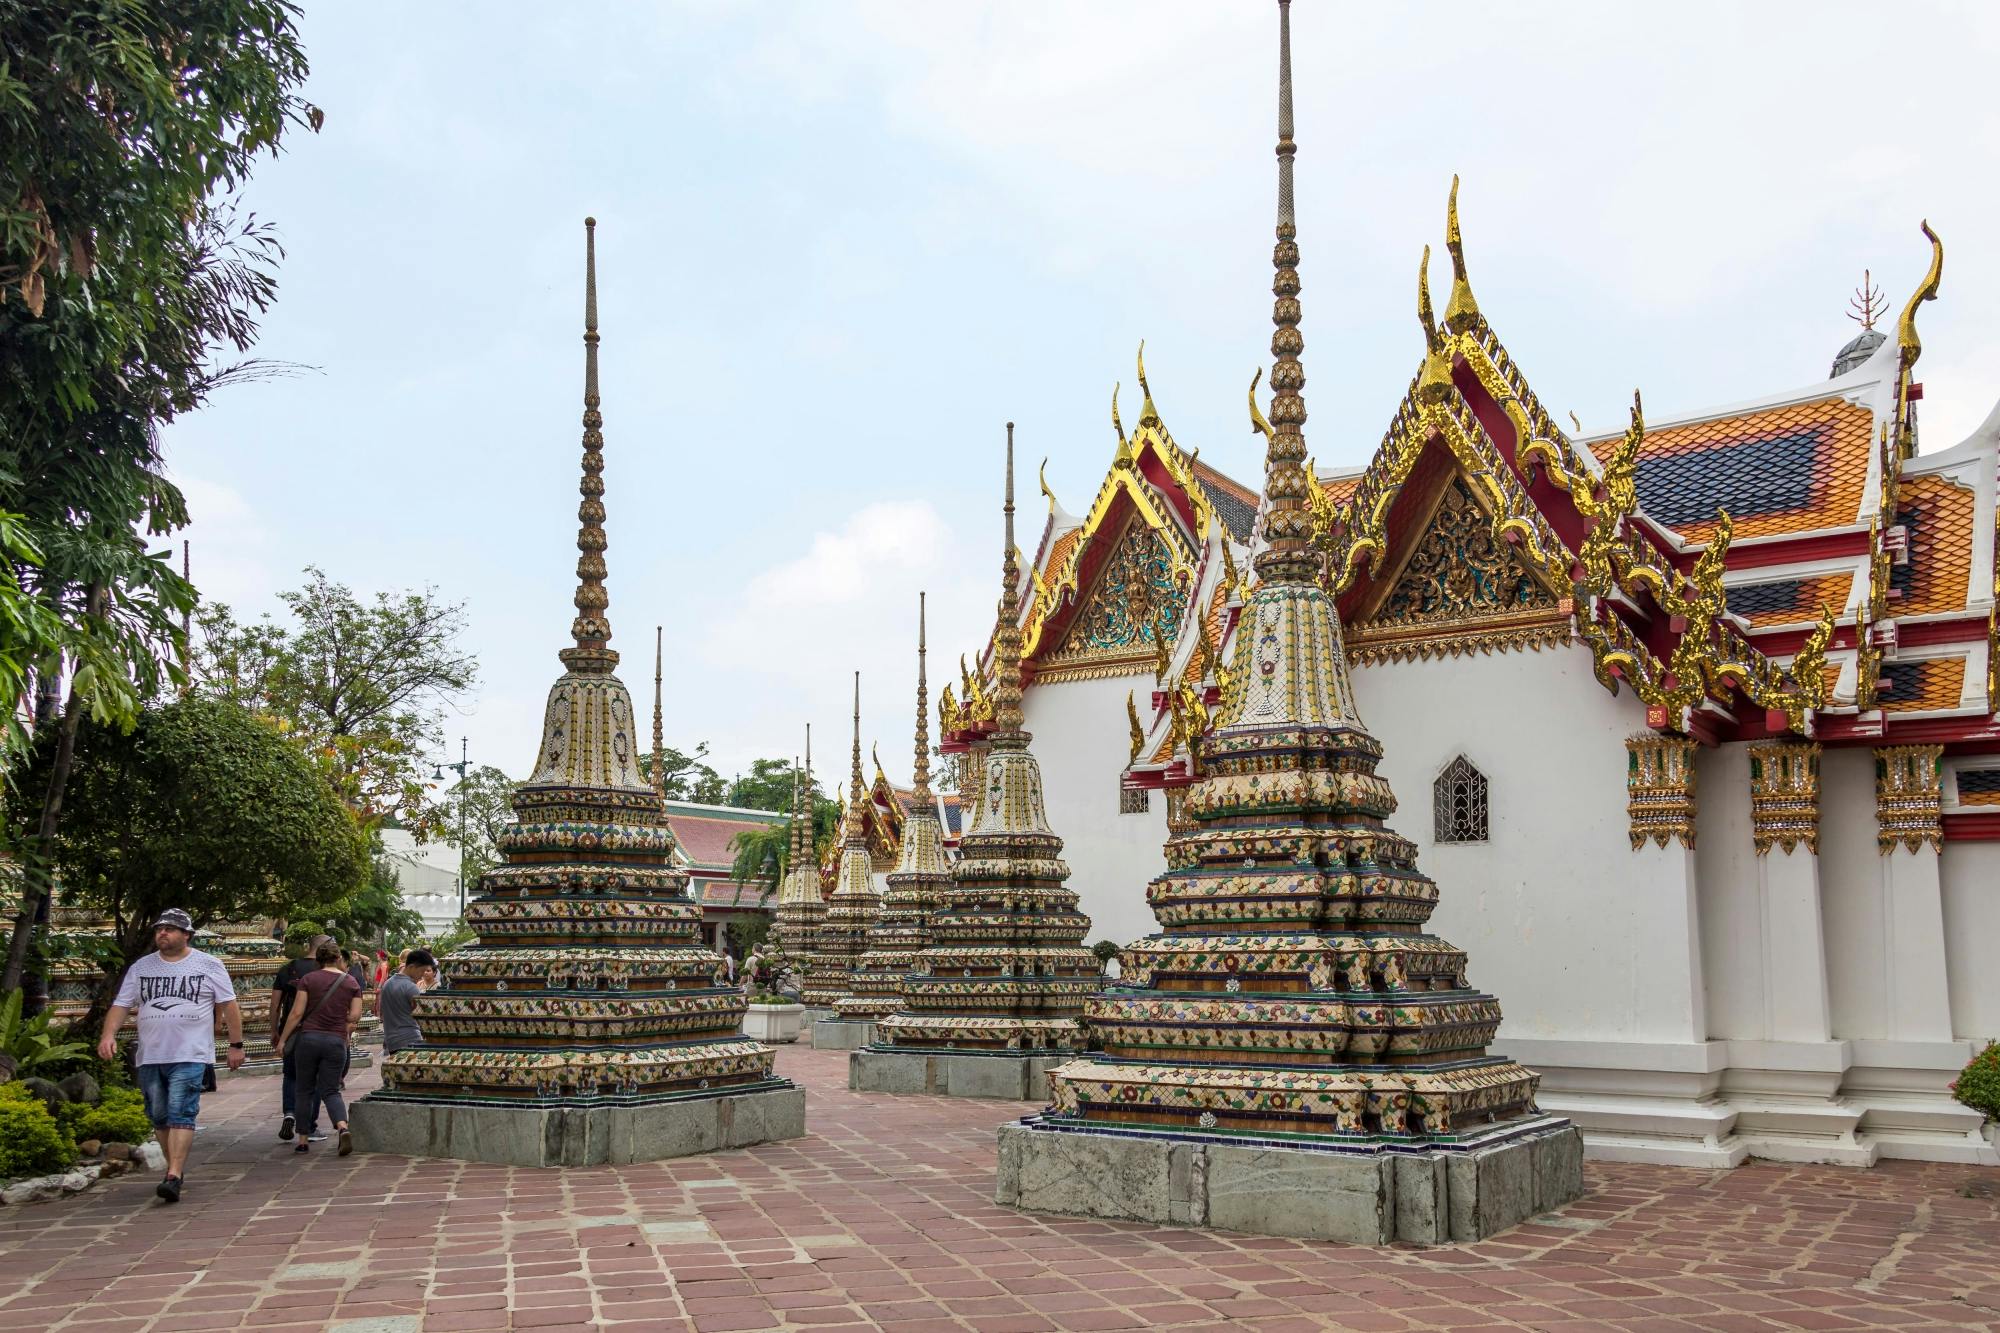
{"points": [[840, 245]]}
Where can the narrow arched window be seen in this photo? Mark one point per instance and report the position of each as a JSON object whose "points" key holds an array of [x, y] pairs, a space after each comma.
{"points": [[1459, 801]]}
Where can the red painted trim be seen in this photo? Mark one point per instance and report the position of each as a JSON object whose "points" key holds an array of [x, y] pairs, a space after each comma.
{"points": [[1792, 550], [1786, 642], [1970, 630], [1972, 826]]}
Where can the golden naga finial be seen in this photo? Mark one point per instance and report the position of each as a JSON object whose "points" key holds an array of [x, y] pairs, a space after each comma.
{"points": [[1205, 657], [1231, 579], [1147, 412], [1257, 421], [1461, 309], [1435, 377], [1047, 494], [1116, 424], [1618, 501], [1809, 666], [1161, 662], [949, 720], [1138, 732], [1866, 306], [1575, 421], [1906, 327]]}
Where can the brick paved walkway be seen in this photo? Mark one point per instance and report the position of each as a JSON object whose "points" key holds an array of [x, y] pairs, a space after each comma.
{"points": [[884, 1215]]}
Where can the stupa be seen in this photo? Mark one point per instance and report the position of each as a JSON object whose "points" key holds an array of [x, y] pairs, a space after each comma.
{"points": [[1291, 1054], [801, 905], [851, 911], [993, 1000], [916, 887], [588, 1023]]}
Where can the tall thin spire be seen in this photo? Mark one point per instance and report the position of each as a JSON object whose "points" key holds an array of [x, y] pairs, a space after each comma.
{"points": [[854, 780], [922, 779], [1007, 634], [792, 834], [804, 830], [592, 626], [1288, 554], [659, 724]]}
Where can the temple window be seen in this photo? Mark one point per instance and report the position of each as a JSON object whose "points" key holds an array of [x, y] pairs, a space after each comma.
{"points": [[1459, 801], [1132, 802]]}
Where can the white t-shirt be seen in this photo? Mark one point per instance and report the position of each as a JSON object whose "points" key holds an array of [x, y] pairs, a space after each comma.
{"points": [[176, 1004]]}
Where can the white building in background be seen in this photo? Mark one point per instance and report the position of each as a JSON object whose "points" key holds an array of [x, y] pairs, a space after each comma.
{"points": [[427, 875], [1693, 725]]}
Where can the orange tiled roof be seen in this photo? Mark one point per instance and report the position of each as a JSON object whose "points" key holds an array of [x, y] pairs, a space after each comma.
{"points": [[1059, 550], [1778, 470], [1341, 489], [1788, 601], [1979, 786], [1922, 687], [1938, 513]]}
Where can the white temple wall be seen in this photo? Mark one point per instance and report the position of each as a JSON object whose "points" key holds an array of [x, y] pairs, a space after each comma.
{"points": [[1557, 923], [1852, 893], [1971, 874], [1083, 739], [1732, 917]]}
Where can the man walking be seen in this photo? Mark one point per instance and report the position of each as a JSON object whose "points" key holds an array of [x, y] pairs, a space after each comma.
{"points": [[396, 1003], [284, 990], [176, 992]]}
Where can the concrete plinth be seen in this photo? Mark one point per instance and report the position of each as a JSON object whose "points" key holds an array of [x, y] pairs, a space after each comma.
{"points": [[842, 1034], [576, 1135], [1013, 1076], [1424, 1196]]}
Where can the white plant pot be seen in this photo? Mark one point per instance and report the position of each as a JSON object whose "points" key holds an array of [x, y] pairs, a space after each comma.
{"points": [[774, 1022]]}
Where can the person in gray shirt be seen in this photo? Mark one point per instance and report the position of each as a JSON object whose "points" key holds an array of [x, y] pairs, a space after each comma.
{"points": [[395, 1005]]}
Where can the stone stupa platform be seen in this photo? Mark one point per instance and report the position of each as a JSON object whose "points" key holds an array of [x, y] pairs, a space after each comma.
{"points": [[1009, 1075]]}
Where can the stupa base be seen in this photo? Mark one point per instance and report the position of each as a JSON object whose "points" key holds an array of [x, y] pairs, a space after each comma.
{"points": [[1420, 1195], [1018, 1076], [842, 1034], [576, 1135]]}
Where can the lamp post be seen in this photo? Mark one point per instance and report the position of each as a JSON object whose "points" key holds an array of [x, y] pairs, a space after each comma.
{"points": [[462, 767]]}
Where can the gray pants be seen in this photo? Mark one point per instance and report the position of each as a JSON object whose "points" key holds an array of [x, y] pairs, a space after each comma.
{"points": [[320, 1059]]}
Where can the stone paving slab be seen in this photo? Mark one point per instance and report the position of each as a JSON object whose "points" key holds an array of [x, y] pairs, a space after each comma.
{"points": [[882, 1216]]}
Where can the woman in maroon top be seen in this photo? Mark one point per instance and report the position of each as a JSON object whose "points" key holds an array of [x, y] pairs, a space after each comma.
{"points": [[323, 1016]]}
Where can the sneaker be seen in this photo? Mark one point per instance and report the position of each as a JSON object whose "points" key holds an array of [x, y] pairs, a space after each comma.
{"points": [[317, 1136], [301, 1147], [286, 1128], [346, 1143], [169, 1189]]}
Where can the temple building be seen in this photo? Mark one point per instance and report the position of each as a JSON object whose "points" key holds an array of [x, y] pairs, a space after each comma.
{"points": [[1706, 706], [704, 842], [916, 886], [587, 1023], [801, 901], [856, 898], [993, 1000]]}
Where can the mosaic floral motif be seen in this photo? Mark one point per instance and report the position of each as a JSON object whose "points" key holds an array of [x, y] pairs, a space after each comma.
{"points": [[1460, 571], [1137, 583]]}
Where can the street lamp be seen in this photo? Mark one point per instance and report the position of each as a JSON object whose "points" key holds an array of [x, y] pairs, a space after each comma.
{"points": [[463, 766]]}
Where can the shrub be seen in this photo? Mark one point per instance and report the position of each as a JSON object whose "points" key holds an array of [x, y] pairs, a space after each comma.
{"points": [[1979, 1085], [35, 1049], [119, 1118], [31, 1143]]}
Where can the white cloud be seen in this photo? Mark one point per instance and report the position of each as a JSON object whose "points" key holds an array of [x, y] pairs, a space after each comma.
{"points": [[229, 547]]}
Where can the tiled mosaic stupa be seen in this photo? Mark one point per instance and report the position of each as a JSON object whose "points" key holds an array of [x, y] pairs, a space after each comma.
{"points": [[851, 911], [588, 1023], [994, 999], [801, 906], [1292, 998], [916, 886]]}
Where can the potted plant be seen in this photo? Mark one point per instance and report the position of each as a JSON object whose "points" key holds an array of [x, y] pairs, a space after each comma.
{"points": [[772, 1016]]}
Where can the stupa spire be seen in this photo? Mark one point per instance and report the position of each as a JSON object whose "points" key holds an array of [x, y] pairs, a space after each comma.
{"points": [[1007, 635], [591, 629], [921, 779], [854, 792], [1288, 554], [659, 725]]}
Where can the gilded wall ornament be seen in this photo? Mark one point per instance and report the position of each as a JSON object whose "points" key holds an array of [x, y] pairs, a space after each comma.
{"points": [[1909, 797], [1784, 795], [1659, 789]]}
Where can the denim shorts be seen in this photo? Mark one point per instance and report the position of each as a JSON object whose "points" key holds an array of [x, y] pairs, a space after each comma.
{"points": [[173, 1093]]}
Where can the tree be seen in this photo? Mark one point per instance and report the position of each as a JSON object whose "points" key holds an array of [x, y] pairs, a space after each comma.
{"points": [[763, 855], [374, 910], [687, 777], [362, 685], [201, 806], [124, 268], [482, 806], [767, 787]]}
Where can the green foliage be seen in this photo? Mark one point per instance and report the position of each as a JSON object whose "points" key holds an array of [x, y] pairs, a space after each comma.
{"points": [[1978, 1086], [453, 939], [299, 934], [31, 1142], [119, 1118], [745, 935], [374, 910], [481, 805], [752, 846], [204, 807], [361, 685], [768, 786], [1106, 951], [688, 778], [35, 1050]]}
